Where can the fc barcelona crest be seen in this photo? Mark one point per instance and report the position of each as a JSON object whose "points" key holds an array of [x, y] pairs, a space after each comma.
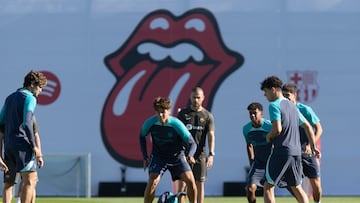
{"points": [[306, 82]]}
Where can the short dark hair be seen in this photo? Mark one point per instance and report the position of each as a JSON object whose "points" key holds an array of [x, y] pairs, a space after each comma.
{"points": [[289, 87], [254, 106], [270, 82], [161, 103], [196, 89], [34, 78]]}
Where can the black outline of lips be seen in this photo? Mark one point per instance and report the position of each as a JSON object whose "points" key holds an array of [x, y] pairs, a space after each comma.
{"points": [[219, 63]]}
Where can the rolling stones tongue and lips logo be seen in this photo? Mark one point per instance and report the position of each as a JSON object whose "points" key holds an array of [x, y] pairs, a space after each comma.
{"points": [[164, 56]]}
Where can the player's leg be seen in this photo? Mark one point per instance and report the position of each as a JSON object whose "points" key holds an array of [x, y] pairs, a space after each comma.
{"points": [[156, 168], [28, 181], [10, 176], [181, 188], [200, 186], [189, 180], [300, 194], [316, 188], [153, 181], [8, 192], [18, 200], [33, 199], [180, 169], [254, 179], [311, 168], [274, 172], [199, 171], [251, 193], [293, 177], [269, 193]]}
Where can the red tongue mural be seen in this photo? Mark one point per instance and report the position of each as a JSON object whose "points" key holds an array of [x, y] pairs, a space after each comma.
{"points": [[164, 56]]}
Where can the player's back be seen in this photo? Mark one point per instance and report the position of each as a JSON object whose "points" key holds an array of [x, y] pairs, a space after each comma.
{"points": [[15, 134]]}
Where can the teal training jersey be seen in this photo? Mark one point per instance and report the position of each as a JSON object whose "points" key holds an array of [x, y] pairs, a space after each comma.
{"points": [[257, 137], [17, 117], [311, 117], [168, 140]]}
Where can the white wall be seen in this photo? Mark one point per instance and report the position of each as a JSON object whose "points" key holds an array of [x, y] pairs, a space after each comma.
{"points": [[71, 39]]}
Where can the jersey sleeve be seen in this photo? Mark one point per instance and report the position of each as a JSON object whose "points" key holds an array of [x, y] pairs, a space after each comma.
{"points": [[302, 119], [245, 132], [274, 112], [185, 135], [142, 137], [309, 114], [29, 108], [211, 122], [35, 125]]}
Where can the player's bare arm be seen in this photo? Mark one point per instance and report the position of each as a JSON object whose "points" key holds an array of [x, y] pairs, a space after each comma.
{"points": [[250, 152], [318, 131], [39, 157], [311, 137], [2, 163], [211, 144]]}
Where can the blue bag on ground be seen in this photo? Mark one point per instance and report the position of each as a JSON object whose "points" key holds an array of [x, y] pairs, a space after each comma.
{"points": [[169, 197]]}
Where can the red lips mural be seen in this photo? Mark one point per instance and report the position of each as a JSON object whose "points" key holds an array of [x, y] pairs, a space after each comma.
{"points": [[165, 55]]}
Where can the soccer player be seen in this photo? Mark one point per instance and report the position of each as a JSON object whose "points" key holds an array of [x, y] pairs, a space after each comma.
{"points": [[284, 163], [21, 154], [168, 135], [311, 166], [40, 164], [200, 122], [258, 149]]}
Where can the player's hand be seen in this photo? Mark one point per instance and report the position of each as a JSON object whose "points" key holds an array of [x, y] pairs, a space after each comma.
{"points": [[191, 160], [316, 152], [3, 166], [37, 151], [308, 149], [40, 161], [209, 161]]}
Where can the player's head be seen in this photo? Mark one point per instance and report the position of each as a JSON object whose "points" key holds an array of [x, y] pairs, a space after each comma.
{"points": [[289, 91], [197, 97], [34, 81], [272, 88], [255, 112], [162, 107]]}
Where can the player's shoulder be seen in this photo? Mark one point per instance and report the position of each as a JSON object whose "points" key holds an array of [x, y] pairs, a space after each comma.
{"points": [[267, 125], [151, 120], [266, 121], [303, 107], [207, 113], [174, 121], [247, 126], [185, 110]]}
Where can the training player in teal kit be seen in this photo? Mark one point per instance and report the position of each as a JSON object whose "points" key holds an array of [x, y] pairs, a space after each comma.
{"points": [[311, 165], [258, 148], [168, 135], [21, 154], [284, 163]]}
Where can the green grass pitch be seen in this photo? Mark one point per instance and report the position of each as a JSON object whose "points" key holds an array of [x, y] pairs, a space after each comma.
{"points": [[327, 199]]}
